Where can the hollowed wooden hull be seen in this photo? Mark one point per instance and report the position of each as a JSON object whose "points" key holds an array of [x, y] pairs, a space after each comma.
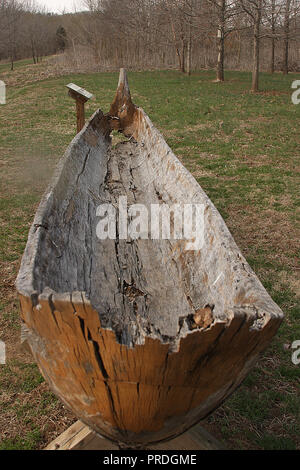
{"points": [[108, 326]]}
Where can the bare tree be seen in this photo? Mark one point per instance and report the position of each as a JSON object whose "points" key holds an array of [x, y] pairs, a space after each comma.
{"points": [[282, 16], [286, 36], [178, 27], [186, 34], [11, 13], [273, 14], [291, 10], [254, 9], [221, 8], [217, 15], [225, 11], [187, 12]]}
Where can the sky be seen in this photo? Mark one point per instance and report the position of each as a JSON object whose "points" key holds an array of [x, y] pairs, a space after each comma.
{"points": [[57, 6]]}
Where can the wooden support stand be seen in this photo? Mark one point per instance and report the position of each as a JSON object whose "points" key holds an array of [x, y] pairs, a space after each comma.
{"points": [[80, 437], [81, 96]]}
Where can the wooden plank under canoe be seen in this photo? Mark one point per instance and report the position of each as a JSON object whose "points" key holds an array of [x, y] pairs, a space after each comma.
{"points": [[140, 338], [80, 437]]}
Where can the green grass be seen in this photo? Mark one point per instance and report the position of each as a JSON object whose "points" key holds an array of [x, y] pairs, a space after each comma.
{"points": [[27, 442], [269, 442], [243, 149], [18, 377], [6, 66]]}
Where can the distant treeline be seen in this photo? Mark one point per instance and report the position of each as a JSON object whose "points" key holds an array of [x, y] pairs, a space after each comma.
{"points": [[27, 31], [186, 34]]}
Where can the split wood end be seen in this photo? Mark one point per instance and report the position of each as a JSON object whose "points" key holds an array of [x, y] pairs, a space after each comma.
{"points": [[122, 107], [203, 317]]}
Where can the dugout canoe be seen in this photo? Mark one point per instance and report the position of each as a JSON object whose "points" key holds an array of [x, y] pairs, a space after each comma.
{"points": [[140, 338]]}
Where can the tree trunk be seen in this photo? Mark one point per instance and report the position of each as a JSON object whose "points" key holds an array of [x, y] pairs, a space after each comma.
{"points": [[285, 68], [273, 22], [179, 58], [183, 57], [239, 49], [272, 66], [33, 52], [220, 37], [255, 70], [189, 55], [220, 65], [286, 56], [256, 49]]}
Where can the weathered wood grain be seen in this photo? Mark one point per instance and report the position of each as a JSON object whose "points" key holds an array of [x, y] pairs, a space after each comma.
{"points": [[140, 338]]}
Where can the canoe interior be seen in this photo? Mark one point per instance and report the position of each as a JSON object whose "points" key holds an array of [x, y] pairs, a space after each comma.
{"points": [[139, 287]]}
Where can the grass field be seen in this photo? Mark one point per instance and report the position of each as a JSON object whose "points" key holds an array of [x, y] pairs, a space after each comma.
{"points": [[244, 151], [6, 66]]}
